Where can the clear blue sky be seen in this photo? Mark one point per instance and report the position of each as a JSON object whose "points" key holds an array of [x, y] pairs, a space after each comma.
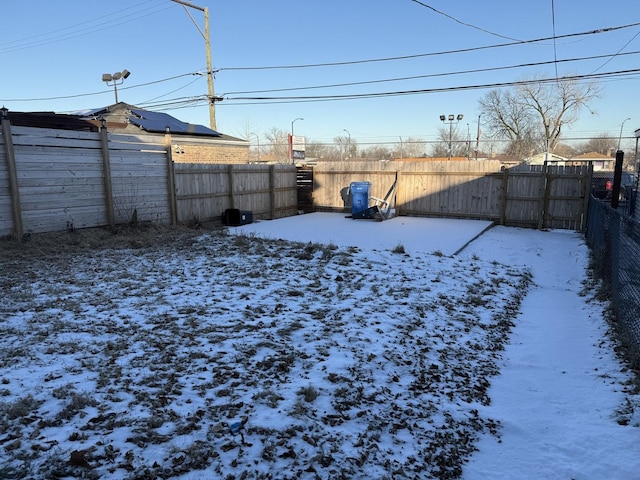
{"points": [[52, 49]]}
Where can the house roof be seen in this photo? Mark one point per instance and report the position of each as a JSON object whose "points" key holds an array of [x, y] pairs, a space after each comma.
{"points": [[592, 156], [152, 122], [51, 120]]}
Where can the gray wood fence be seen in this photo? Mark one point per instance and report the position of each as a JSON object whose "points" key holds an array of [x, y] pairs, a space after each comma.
{"points": [[55, 180], [527, 196], [52, 180]]}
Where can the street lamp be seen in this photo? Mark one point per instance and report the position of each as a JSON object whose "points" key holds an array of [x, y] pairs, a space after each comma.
{"points": [[621, 127], [451, 120], [258, 140], [291, 146], [348, 142], [115, 79], [478, 137]]}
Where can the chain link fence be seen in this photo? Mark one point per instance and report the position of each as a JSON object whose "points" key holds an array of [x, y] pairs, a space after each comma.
{"points": [[614, 238]]}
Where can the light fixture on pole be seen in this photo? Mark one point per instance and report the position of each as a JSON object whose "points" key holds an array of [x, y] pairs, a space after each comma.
{"points": [[348, 142], [451, 120], [115, 79], [291, 145], [621, 127]]}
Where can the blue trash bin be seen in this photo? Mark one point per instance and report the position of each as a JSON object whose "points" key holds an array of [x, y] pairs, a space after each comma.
{"points": [[359, 196]]}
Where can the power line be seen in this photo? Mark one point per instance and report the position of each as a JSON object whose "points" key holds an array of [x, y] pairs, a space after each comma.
{"points": [[78, 95], [461, 22], [320, 98], [79, 30], [431, 54], [432, 75]]}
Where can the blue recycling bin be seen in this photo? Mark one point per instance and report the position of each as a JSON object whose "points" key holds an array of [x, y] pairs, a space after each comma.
{"points": [[359, 196]]}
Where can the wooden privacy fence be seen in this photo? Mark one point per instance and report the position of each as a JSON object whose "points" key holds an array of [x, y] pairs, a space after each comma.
{"points": [[52, 180], [206, 190], [527, 196]]}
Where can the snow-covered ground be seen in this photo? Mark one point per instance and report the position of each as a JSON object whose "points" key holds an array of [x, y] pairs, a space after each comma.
{"points": [[561, 393], [365, 350]]}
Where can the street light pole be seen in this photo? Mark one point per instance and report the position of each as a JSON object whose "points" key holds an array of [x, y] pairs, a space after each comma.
{"points": [[451, 120], [117, 79], [258, 141], [348, 142], [478, 137], [207, 46], [621, 127], [291, 146]]}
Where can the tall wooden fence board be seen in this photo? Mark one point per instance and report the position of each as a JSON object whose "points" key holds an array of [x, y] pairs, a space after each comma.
{"points": [[528, 196], [63, 179], [6, 218], [59, 178], [205, 191]]}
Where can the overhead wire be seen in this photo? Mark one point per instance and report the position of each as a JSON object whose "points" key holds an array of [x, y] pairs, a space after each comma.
{"points": [[470, 25], [79, 30], [319, 98], [431, 75], [429, 54], [78, 95]]}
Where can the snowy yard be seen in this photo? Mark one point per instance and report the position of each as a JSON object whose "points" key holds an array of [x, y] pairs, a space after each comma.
{"points": [[210, 355]]}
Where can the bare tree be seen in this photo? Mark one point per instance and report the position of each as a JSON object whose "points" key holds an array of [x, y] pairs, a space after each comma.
{"points": [[377, 152], [533, 115], [411, 147], [603, 144], [450, 141], [316, 150], [277, 144]]}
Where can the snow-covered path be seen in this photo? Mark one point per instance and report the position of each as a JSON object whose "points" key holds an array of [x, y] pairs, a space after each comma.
{"points": [[560, 383]]}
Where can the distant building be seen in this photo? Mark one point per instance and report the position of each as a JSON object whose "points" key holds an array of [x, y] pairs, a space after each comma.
{"points": [[598, 160], [548, 157], [190, 143]]}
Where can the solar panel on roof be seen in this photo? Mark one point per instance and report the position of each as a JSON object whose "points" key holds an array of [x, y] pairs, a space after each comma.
{"points": [[158, 122]]}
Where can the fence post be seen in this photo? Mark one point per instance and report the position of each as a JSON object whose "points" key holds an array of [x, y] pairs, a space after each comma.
{"points": [[503, 200], [106, 173], [587, 178], [272, 190], [398, 193], [544, 198], [171, 179], [617, 178], [14, 188], [232, 200]]}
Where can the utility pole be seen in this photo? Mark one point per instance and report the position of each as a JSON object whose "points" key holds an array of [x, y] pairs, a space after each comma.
{"points": [[207, 45]]}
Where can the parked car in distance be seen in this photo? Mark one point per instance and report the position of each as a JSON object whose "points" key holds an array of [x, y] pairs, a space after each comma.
{"points": [[602, 184]]}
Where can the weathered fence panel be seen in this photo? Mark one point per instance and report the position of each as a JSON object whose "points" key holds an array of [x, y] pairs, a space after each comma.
{"points": [[206, 191], [59, 179], [527, 196], [139, 177]]}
